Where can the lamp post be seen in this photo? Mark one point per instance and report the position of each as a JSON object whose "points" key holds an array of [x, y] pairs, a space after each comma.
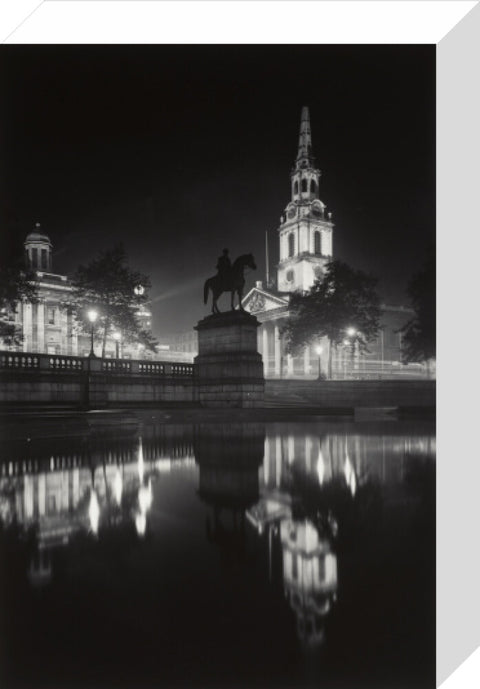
{"points": [[352, 333], [319, 350], [116, 337], [92, 317]]}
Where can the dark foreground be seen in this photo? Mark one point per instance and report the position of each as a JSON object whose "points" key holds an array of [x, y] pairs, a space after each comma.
{"points": [[259, 554]]}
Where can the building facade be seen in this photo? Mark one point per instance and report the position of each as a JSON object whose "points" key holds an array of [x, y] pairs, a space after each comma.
{"points": [[305, 238], [46, 326]]}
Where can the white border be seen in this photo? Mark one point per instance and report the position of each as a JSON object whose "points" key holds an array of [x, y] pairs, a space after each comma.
{"points": [[355, 21], [214, 21]]}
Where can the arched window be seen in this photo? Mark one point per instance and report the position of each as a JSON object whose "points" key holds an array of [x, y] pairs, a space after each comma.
{"points": [[295, 187], [304, 185], [291, 244], [313, 187], [317, 243]]}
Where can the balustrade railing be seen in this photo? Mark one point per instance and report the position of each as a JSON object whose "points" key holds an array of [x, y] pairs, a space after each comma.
{"points": [[66, 363], [17, 360], [75, 364], [116, 365]]}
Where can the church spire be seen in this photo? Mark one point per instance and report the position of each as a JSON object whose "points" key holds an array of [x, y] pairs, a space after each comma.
{"points": [[304, 156]]}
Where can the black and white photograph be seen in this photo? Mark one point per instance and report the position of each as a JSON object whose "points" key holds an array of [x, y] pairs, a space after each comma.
{"points": [[217, 366]]}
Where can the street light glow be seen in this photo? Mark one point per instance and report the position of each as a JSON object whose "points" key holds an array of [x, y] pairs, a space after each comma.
{"points": [[92, 315], [116, 336], [319, 349], [351, 332]]}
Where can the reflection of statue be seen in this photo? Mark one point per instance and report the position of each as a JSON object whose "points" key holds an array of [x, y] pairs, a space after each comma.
{"points": [[229, 279], [228, 456]]}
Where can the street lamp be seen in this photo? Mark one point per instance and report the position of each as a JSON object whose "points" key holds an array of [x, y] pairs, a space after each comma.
{"points": [[319, 350], [92, 317], [352, 333], [116, 337]]}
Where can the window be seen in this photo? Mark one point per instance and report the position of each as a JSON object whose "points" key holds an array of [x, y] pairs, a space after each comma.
{"points": [[313, 186], [51, 314], [291, 244], [34, 258], [304, 185], [44, 259], [290, 275], [317, 243], [295, 187]]}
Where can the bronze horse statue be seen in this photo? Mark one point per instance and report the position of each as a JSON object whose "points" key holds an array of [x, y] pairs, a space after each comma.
{"points": [[233, 283]]}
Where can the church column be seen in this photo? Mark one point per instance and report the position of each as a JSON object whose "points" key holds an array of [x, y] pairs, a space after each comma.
{"points": [[27, 327], [40, 326], [306, 360], [278, 351], [289, 365], [265, 348]]}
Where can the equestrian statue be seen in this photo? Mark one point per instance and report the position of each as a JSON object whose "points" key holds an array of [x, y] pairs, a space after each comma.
{"points": [[229, 278]]}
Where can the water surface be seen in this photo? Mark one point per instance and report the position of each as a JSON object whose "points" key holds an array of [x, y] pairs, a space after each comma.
{"points": [[249, 555]]}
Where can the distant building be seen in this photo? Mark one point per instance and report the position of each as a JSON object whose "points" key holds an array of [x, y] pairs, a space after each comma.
{"points": [[306, 245], [46, 325]]}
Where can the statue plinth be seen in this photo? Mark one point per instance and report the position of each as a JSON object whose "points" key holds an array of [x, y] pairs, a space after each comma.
{"points": [[229, 369]]}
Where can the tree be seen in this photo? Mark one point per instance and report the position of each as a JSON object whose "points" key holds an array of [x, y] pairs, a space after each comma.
{"points": [[110, 287], [419, 336], [345, 298], [16, 285]]}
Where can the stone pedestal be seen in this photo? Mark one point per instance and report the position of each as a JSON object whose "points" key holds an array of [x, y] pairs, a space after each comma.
{"points": [[229, 369]]}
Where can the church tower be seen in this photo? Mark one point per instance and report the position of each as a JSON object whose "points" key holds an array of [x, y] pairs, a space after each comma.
{"points": [[306, 229]]}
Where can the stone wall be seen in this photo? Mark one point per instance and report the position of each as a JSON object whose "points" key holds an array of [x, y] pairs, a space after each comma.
{"points": [[351, 393], [36, 379]]}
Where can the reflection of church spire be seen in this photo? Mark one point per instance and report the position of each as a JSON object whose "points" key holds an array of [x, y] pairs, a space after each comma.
{"points": [[310, 578]]}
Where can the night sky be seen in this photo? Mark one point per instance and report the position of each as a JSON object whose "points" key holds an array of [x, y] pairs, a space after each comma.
{"points": [[180, 151]]}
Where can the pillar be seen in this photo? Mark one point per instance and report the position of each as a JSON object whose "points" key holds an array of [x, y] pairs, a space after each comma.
{"points": [[289, 365], [265, 348], [40, 326], [277, 351], [27, 327]]}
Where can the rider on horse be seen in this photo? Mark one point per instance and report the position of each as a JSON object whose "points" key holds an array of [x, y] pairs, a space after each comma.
{"points": [[224, 268]]}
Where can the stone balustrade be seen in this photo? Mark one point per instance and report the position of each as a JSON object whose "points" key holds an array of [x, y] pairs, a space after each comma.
{"points": [[72, 381], [24, 361]]}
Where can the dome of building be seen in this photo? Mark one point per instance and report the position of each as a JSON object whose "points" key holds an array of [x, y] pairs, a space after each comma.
{"points": [[37, 236]]}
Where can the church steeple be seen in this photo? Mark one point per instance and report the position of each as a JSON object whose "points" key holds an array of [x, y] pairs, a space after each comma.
{"points": [[305, 177], [304, 156], [305, 231]]}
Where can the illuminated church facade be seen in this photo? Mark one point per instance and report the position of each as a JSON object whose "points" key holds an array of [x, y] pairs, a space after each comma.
{"points": [[305, 237]]}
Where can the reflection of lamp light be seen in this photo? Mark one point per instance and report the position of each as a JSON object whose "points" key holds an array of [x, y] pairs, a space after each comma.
{"points": [[94, 512], [145, 497], [319, 350], [350, 477], [140, 465], [320, 468], [118, 487], [141, 523]]}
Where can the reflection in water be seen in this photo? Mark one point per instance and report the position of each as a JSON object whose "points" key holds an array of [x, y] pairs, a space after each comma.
{"points": [[310, 577], [94, 511], [305, 495]]}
